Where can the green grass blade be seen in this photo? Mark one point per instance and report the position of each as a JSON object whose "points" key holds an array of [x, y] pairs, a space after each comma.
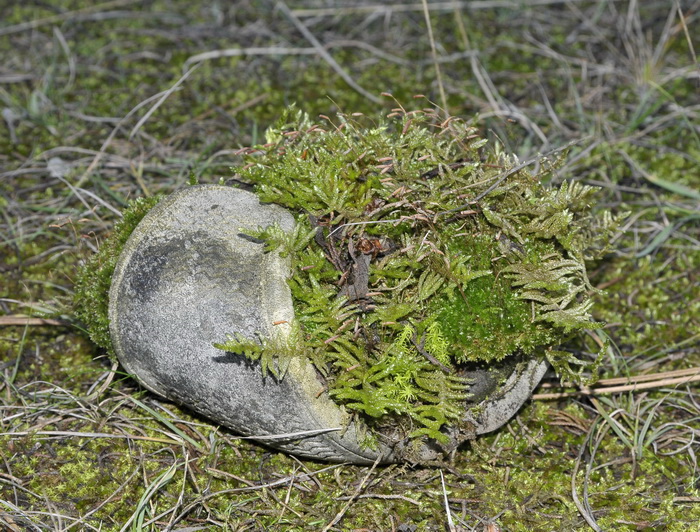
{"points": [[162, 419], [676, 188], [139, 514], [665, 234]]}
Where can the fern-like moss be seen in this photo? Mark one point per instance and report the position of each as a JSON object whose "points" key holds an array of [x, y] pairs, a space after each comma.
{"points": [[274, 354], [419, 251]]}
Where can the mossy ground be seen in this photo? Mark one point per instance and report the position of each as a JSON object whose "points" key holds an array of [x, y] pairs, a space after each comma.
{"points": [[622, 75]]}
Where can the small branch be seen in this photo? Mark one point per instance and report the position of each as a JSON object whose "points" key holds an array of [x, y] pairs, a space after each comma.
{"points": [[326, 244]]}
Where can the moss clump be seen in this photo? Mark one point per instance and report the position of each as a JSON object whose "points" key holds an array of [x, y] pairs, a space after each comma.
{"points": [[91, 300], [418, 252]]}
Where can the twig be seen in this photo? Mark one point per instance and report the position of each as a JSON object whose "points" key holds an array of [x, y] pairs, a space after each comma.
{"points": [[327, 245], [649, 376], [430, 358]]}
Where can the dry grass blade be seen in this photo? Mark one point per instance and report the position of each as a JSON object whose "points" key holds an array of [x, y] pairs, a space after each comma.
{"points": [[94, 392], [647, 377], [517, 168], [160, 101], [6, 520], [666, 233], [19, 515], [632, 384], [97, 508], [98, 156], [31, 25], [676, 188], [499, 106], [352, 499], [138, 517], [238, 52], [324, 54], [435, 6], [250, 486], [436, 64], [450, 522], [16, 319], [583, 507], [687, 35], [381, 496], [60, 434], [165, 421]]}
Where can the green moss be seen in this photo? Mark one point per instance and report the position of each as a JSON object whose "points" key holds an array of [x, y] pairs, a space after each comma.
{"points": [[418, 251], [91, 300], [489, 323], [647, 321]]}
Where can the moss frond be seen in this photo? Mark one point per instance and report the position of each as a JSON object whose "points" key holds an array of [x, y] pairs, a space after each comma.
{"points": [[274, 353]]}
